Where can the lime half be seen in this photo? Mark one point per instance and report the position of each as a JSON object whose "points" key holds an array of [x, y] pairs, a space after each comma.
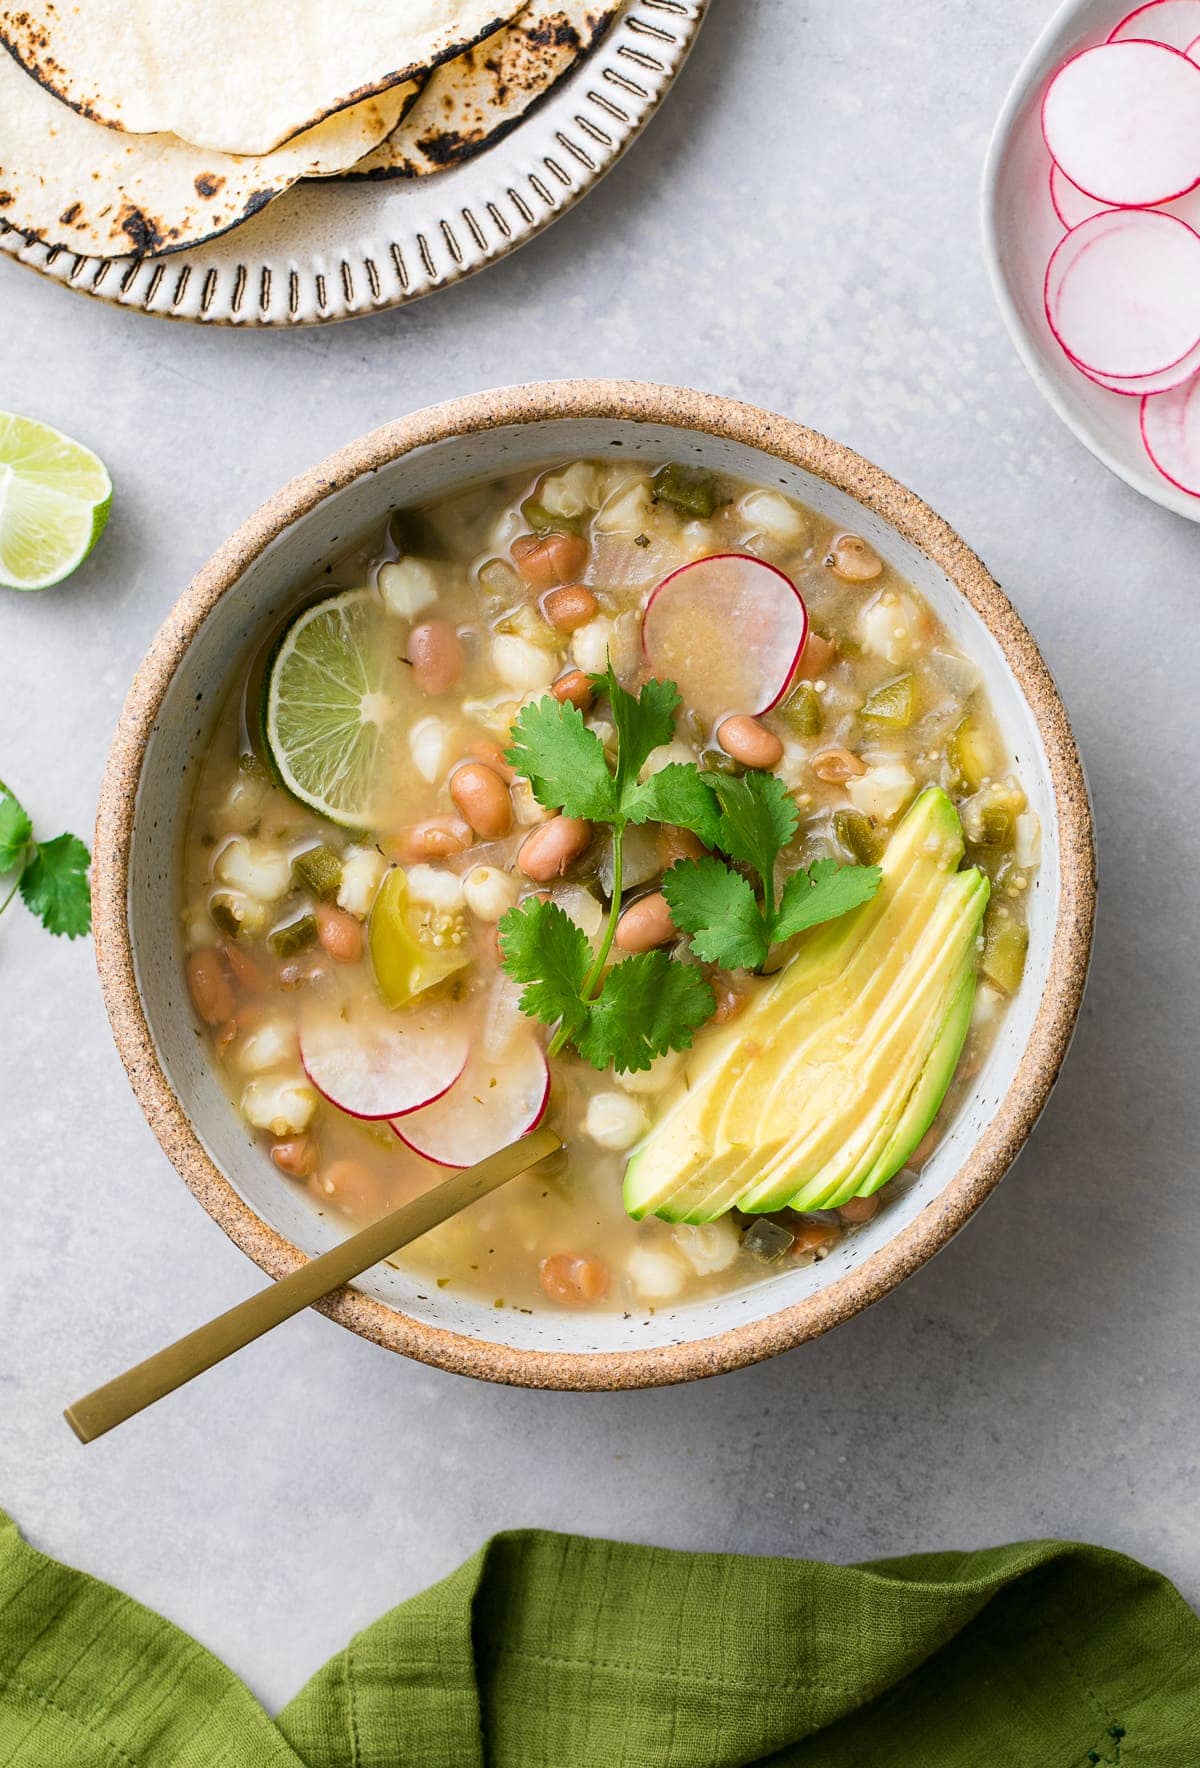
{"points": [[54, 502], [333, 698]]}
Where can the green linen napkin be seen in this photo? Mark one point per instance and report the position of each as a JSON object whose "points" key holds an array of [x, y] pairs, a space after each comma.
{"points": [[550, 1651]]}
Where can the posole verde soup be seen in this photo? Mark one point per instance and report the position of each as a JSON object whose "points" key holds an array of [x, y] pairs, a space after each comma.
{"points": [[643, 799]]}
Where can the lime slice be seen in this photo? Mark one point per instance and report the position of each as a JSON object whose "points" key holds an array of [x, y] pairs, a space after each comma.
{"points": [[54, 502], [334, 695]]}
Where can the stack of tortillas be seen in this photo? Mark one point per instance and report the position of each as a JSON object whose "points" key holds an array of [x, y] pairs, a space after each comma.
{"points": [[143, 126]]}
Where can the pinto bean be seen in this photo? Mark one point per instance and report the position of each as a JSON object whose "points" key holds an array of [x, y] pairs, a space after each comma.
{"points": [[436, 654], [208, 985], [749, 742], [859, 1209], [353, 1184], [553, 848], [438, 837], [553, 559], [819, 655], [492, 755], [675, 844], [853, 560], [645, 924], [570, 607], [573, 1279], [339, 933], [729, 997], [836, 766], [575, 687], [246, 973], [483, 798], [297, 1156]]}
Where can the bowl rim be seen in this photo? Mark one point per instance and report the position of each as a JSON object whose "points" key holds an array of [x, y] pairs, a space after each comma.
{"points": [[1070, 15], [1012, 1118]]}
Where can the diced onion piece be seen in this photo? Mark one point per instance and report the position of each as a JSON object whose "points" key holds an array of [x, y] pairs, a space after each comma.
{"points": [[1123, 122], [883, 791]]}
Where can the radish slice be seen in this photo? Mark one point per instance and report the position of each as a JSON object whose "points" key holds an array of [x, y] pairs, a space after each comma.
{"points": [[493, 1101], [383, 1067], [1138, 386], [728, 631], [1070, 204], [1171, 432], [1122, 292], [1173, 22], [1123, 122]]}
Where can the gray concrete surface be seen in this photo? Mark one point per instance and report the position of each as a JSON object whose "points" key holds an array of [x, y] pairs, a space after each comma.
{"points": [[798, 227]]}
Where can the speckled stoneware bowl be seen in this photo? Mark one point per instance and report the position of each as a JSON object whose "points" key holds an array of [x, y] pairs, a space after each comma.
{"points": [[144, 803]]}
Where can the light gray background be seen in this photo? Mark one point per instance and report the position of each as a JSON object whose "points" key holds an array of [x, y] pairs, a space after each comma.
{"points": [[798, 227]]}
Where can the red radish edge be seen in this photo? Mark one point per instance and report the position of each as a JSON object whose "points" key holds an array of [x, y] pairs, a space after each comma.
{"points": [[1144, 415], [1057, 179], [379, 1116], [1168, 196], [1146, 385], [1119, 33], [1112, 215], [411, 1120], [747, 558]]}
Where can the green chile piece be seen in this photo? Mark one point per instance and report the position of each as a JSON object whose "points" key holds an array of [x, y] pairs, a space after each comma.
{"points": [[319, 870], [295, 937]]}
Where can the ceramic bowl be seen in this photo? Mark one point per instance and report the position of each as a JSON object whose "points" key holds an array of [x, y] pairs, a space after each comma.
{"points": [[153, 763], [1021, 229]]}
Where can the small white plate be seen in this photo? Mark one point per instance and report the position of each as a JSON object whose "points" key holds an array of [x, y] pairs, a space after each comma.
{"points": [[330, 249], [1021, 229]]}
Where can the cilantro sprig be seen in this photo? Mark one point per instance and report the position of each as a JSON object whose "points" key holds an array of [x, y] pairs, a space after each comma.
{"points": [[625, 1016], [645, 1005], [50, 876], [720, 909]]}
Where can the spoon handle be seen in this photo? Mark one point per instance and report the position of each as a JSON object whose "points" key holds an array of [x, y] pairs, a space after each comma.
{"points": [[190, 1356]]}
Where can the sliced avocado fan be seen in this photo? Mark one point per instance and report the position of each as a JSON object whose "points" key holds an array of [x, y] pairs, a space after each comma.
{"points": [[822, 1089]]}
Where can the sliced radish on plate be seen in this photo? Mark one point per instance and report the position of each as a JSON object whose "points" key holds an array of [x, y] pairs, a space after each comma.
{"points": [[1138, 386], [1171, 432], [1122, 292], [1174, 22], [1071, 206], [1123, 122], [493, 1101], [383, 1065], [728, 631]]}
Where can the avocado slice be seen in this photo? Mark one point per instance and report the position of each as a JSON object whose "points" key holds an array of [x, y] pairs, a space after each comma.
{"points": [[823, 1088]]}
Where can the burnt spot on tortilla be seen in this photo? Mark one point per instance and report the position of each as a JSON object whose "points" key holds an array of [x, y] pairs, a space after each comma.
{"points": [[555, 33], [208, 183], [258, 199], [447, 146], [70, 214], [144, 235], [6, 197]]}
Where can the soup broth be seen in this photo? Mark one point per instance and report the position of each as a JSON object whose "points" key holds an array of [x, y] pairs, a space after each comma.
{"points": [[385, 914]]}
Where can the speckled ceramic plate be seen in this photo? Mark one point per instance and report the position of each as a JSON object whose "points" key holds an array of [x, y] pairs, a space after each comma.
{"points": [[333, 249], [166, 724]]}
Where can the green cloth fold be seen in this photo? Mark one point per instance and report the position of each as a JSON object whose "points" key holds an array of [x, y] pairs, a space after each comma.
{"points": [[552, 1651]]}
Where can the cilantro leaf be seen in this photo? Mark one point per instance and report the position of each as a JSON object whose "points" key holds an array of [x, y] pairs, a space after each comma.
{"points": [[544, 949], [758, 819], [644, 722], [718, 908], [822, 893], [564, 762], [54, 885], [16, 830], [648, 1005], [677, 794]]}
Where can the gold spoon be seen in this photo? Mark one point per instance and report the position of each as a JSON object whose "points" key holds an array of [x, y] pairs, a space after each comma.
{"points": [[188, 1357]]}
